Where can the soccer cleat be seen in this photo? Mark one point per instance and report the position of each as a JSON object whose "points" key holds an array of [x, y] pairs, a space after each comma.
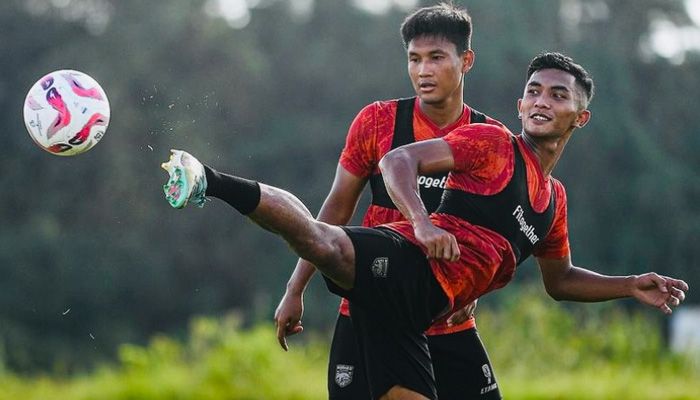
{"points": [[187, 182]]}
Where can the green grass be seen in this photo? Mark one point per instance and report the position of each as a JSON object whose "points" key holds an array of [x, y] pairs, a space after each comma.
{"points": [[601, 383], [540, 350], [219, 361]]}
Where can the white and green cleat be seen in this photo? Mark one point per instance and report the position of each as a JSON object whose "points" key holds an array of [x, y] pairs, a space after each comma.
{"points": [[187, 183]]}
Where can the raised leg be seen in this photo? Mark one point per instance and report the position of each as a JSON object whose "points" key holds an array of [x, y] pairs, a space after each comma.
{"points": [[327, 247]]}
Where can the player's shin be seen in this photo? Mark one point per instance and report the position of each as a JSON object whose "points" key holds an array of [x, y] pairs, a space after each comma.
{"points": [[240, 193], [274, 209]]}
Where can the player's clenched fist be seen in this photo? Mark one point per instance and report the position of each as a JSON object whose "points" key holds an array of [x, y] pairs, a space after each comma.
{"points": [[437, 243]]}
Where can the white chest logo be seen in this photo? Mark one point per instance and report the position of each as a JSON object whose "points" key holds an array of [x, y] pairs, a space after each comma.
{"points": [[528, 230]]}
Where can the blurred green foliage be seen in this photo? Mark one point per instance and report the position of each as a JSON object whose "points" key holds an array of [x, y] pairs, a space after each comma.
{"points": [[546, 350], [219, 360], [540, 350], [92, 257]]}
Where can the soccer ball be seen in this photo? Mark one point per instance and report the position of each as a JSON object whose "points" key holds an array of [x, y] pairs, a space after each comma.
{"points": [[66, 112]]}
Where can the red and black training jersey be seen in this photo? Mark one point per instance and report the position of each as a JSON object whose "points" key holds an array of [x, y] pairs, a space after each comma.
{"points": [[369, 139], [484, 163]]}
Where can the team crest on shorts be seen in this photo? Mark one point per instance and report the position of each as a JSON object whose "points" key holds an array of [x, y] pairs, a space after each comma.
{"points": [[489, 378], [343, 374], [380, 265]]}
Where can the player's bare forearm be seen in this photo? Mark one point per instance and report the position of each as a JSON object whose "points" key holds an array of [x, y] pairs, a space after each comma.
{"points": [[400, 168], [400, 173], [580, 284], [300, 278], [565, 281]]}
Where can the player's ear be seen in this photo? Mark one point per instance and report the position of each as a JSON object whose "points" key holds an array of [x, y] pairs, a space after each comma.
{"points": [[582, 118], [520, 112], [467, 60]]}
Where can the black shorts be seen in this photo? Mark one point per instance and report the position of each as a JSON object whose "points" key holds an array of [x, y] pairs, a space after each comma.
{"points": [[462, 367], [460, 362], [347, 379], [394, 300]]}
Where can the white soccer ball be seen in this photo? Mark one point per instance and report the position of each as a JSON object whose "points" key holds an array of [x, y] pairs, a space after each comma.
{"points": [[66, 112]]}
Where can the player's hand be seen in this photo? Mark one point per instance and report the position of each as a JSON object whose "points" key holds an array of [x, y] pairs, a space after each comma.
{"points": [[437, 242], [462, 315], [288, 317], [659, 291]]}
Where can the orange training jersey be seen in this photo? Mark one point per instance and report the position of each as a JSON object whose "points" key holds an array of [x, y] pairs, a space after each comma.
{"points": [[484, 161], [369, 139]]}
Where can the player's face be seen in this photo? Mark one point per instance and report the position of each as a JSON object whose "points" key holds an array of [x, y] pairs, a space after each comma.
{"points": [[436, 69], [550, 104]]}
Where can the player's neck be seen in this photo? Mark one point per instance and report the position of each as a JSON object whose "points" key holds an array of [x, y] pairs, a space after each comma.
{"points": [[445, 113], [547, 149]]}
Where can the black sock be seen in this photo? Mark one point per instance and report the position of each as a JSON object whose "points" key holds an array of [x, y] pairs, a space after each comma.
{"points": [[240, 193]]}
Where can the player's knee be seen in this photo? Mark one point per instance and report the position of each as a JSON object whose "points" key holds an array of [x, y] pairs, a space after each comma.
{"points": [[333, 254], [323, 247]]}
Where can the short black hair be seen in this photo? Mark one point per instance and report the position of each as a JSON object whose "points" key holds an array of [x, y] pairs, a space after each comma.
{"points": [[442, 20], [553, 60]]}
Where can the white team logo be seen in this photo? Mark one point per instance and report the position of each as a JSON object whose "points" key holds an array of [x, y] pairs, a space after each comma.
{"points": [[343, 374], [487, 373], [380, 265], [489, 377]]}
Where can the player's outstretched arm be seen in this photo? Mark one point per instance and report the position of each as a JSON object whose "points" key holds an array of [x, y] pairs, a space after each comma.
{"points": [[273, 209], [564, 281], [337, 209]]}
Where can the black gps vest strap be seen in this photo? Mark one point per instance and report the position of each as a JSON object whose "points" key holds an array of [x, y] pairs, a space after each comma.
{"points": [[476, 117], [403, 123], [430, 186], [507, 213]]}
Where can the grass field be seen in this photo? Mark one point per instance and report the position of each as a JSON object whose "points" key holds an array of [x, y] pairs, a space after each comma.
{"points": [[540, 350]]}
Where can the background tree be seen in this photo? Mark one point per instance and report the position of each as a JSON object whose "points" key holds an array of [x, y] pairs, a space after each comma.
{"points": [[90, 254]]}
